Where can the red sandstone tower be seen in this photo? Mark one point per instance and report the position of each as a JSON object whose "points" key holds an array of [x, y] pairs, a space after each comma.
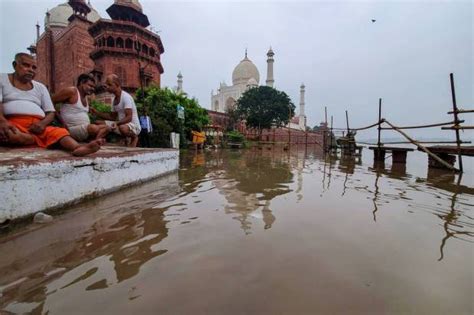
{"points": [[125, 47], [78, 40]]}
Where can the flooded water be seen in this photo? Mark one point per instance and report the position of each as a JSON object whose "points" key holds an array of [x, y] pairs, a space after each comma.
{"points": [[255, 232]]}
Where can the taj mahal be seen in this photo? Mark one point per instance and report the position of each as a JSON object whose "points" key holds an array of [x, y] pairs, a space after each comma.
{"points": [[246, 76]]}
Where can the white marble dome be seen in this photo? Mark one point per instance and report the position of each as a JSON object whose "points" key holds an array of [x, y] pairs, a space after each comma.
{"points": [[245, 71], [59, 15]]}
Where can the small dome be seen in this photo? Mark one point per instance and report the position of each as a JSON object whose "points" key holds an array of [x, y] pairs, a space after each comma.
{"points": [[131, 3], [245, 71], [59, 16], [270, 52]]}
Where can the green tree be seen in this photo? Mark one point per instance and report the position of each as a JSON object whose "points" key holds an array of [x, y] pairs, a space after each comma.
{"points": [[162, 109], [264, 107], [234, 118]]}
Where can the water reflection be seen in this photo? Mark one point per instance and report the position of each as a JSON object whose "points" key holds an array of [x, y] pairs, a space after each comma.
{"points": [[127, 235], [456, 222], [248, 180], [347, 165], [308, 214]]}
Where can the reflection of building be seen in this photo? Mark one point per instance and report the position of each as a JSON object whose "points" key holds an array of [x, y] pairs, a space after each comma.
{"points": [[244, 77], [249, 194], [116, 242], [77, 40]]}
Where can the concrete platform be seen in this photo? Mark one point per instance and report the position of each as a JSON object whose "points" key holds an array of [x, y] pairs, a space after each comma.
{"points": [[33, 180]]}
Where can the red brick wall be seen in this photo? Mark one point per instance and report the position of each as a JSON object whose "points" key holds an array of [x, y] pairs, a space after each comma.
{"points": [[72, 51], [43, 60], [273, 135], [282, 135], [218, 118]]}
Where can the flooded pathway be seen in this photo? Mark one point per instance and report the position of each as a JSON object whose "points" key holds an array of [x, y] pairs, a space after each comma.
{"points": [[255, 232]]}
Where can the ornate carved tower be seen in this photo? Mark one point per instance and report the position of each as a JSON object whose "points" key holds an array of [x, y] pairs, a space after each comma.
{"points": [[125, 47]]}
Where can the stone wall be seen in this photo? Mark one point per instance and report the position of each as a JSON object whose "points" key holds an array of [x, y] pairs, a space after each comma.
{"points": [[33, 180]]}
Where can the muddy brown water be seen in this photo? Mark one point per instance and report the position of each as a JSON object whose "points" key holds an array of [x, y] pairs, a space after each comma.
{"points": [[255, 232]]}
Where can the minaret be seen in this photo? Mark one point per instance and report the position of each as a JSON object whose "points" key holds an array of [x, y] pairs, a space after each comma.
{"points": [[270, 61], [180, 83], [302, 117], [37, 31], [32, 47]]}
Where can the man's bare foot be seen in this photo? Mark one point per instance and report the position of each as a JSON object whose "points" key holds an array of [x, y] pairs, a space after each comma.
{"points": [[100, 141], [88, 148], [133, 142]]}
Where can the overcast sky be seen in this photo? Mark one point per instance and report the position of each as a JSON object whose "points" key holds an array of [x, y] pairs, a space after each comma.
{"points": [[345, 60]]}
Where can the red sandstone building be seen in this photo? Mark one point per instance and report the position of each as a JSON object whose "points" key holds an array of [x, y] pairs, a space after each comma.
{"points": [[77, 40]]}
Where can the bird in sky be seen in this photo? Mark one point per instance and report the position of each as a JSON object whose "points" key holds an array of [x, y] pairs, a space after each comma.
{"points": [[373, 21]]}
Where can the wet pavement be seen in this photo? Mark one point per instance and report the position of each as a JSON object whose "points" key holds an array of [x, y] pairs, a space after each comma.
{"points": [[255, 232]]}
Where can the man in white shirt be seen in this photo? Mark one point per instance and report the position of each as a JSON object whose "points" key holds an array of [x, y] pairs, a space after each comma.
{"points": [[123, 119], [74, 109], [26, 111]]}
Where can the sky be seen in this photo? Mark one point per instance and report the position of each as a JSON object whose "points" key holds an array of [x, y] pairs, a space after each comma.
{"points": [[346, 61]]}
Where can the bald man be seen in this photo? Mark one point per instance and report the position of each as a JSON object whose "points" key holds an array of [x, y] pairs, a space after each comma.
{"points": [[123, 119], [26, 111]]}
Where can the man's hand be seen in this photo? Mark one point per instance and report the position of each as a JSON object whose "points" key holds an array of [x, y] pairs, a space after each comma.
{"points": [[5, 129], [92, 110], [37, 128]]}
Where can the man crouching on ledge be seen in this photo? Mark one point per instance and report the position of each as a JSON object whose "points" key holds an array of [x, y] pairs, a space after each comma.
{"points": [[123, 120], [26, 111]]}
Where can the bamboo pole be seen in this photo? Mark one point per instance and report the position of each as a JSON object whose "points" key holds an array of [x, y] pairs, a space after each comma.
{"points": [[456, 120], [432, 142], [461, 111], [434, 156], [347, 121], [331, 137], [325, 134], [380, 123], [457, 128]]}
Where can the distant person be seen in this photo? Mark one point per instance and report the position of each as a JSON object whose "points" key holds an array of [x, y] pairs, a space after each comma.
{"points": [[123, 119], [147, 129], [198, 139], [74, 111], [26, 110]]}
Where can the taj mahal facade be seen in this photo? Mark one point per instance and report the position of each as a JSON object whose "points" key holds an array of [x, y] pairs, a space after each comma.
{"points": [[246, 76]]}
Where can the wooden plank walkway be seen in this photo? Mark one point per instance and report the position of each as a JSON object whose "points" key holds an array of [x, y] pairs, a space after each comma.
{"points": [[451, 149]]}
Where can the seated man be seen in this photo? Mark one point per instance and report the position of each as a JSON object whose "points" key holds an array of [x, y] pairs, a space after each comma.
{"points": [[123, 119], [75, 108], [26, 111]]}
